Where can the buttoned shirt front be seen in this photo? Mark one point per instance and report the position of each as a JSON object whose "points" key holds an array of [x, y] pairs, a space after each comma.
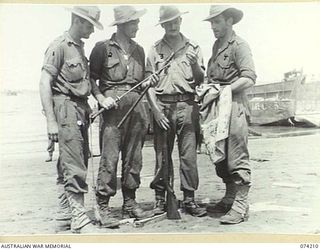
{"points": [[111, 65], [178, 78], [66, 62]]}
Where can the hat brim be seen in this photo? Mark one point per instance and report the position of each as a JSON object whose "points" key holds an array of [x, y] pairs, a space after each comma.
{"points": [[95, 23], [172, 18], [236, 14], [136, 16]]}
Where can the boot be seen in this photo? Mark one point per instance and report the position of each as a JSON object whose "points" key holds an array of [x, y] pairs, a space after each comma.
{"points": [[104, 212], [226, 202], [160, 204], [160, 207], [131, 208], [89, 229], [190, 206], [63, 216], [239, 211], [78, 211]]}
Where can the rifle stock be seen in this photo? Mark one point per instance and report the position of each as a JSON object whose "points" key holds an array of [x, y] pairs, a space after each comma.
{"points": [[172, 203]]}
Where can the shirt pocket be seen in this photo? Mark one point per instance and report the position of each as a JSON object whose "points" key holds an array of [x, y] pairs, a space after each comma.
{"points": [[138, 73], [74, 70], [225, 61], [69, 122], [159, 63], [116, 71], [186, 70]]}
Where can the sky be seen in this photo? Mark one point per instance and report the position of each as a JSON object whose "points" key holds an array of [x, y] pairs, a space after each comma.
{"points": [[282, 36]]}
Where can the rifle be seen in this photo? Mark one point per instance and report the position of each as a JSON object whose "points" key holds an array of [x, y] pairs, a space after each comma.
{"points": [[172, 202], [165, 174], [118, 98], [166, 65]]}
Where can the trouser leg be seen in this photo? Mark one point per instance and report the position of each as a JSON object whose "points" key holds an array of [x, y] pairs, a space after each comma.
{"points": [[170, 112], [73, 158], [187, 119]]}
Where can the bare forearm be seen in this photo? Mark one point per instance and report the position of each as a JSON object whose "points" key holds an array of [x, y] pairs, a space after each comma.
{"points": [[46, 95], [241, 84], [152, 99]]}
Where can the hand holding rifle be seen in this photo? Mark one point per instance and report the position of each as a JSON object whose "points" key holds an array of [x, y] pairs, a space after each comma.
{"points": [[109, 103]]}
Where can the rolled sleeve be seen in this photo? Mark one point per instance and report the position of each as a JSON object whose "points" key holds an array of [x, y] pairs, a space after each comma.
{"points": [[244, 61], [53, 60], [200, 58], [150, 64]]}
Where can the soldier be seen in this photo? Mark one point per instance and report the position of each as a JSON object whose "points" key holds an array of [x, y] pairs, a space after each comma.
{"points": [[231, 63], [64, 90], [173, 106], [118, 64]]}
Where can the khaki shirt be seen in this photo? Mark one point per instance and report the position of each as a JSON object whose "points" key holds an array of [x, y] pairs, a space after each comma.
{"points": [[66, 62], [178, 79], [230, 62], [112, 66]]}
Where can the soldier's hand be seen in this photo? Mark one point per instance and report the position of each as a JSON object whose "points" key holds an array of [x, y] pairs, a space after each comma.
{"points": [[52, 129], [108, 103], [162, 120], [153, 81], [192, 57]]}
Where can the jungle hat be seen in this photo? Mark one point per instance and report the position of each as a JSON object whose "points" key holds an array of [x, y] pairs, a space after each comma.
{"points": [[169, 13], [90, 13], [125, 13], [216, 10]]}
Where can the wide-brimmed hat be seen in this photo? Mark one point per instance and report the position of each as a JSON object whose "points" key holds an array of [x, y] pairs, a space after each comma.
{"points": [[125, 13], [168, 13], [216, 10], [90, 13]]}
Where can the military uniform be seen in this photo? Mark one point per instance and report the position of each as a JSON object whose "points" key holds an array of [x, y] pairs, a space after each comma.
{"points": [[175, 97], [118, 71], [228, 64], [66, 62]]}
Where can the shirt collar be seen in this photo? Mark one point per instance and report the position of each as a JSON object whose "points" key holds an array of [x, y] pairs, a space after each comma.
{"points": [[185, 41], [114, 42], [69, 39], [226, 44]]}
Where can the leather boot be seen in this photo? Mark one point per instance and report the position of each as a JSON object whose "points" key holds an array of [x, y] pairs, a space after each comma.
{"points": [[226, 202], [63, 216], [104, 212], [239, 211], [190, 206], [160, 204], [131, 208], [78, 211]]}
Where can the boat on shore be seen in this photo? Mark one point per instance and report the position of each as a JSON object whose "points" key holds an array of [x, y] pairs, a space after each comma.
{"points": [[293, 101]]}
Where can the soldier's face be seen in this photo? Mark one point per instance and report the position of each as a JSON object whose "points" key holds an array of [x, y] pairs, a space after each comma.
{"points": [[131, 28], [172, 28], [219, 26], [86, 29]]}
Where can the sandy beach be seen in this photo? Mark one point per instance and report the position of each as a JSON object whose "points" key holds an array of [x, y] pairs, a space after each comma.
{"points": [[284, 197]]}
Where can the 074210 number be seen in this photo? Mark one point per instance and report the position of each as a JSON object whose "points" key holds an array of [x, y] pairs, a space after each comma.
{"points": [[309, 246]]}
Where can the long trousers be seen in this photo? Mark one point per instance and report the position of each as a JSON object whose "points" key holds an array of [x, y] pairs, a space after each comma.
{"points": [[183, 123], [128, 140], [236, 168]]}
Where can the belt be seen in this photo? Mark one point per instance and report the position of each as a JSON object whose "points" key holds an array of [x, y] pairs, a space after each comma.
{"points": [[176, 98], [122, 87], [71, 97]]}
